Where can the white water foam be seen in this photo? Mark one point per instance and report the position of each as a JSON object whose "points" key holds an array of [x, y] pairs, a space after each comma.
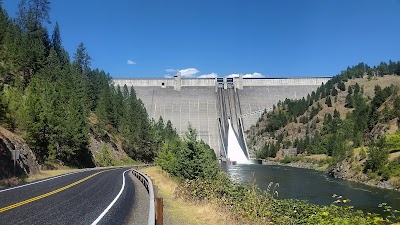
{"points": [[235, 152]]}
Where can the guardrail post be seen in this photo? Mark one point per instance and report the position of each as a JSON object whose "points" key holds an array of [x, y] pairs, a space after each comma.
{"points": [[159, 211]]}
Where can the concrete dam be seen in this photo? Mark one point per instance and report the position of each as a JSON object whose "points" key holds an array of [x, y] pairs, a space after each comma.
{"points": [[214, 106]]}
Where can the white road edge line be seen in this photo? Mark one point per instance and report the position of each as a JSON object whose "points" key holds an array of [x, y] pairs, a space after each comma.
{"points": [[40, 181], [113, 202]]}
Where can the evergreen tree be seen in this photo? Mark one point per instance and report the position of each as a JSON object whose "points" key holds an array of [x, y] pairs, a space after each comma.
{"points": [[350, 90], [328, 101], [32, 13], [195, 158], [378, 155], [336, 114], [396, 106], [349, 103], [105, 108], [57, 45], [31, 16], [56, 39], [82, 60], [357, 89], [341, 86], [118, 105], [334, 92]]}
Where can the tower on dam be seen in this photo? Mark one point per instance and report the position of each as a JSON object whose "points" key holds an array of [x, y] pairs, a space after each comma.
{"points": [[212, 104]]}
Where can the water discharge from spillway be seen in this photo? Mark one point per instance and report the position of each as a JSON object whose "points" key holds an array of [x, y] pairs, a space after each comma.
{"points": [[235, 151]]}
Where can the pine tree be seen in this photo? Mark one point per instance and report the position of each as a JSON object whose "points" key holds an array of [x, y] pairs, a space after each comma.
{"points": [[349, 103], [32, 13], [341, 86], [105, 110], [334, 92], [31, 16], [377, 155], [350, 90], [328, 101], [82, 60], [396, 106], [336, 114], [57, 45], [357, 89], [56, 39]]}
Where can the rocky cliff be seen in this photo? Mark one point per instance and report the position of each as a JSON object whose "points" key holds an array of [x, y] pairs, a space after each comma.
{"points": [[25, 165]]}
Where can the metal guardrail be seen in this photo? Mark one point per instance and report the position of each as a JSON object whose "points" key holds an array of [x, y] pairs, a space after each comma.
{"points": [[146, 181]]}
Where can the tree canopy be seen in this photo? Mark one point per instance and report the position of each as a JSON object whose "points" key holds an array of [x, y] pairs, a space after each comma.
{"points": [[56, 105]]}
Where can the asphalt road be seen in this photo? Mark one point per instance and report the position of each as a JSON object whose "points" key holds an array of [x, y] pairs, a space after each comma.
{"points": [[98, 196]]}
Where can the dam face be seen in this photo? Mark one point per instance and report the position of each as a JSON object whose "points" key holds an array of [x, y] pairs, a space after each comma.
{"points": [[198, 102]]}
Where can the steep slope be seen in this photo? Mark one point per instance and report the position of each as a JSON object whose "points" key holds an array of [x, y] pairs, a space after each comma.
{"points": [[302, 126], [26, 165], [358, 109]]}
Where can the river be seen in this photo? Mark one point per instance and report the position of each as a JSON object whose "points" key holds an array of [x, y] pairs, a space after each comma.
{"points": [[313, 186]]}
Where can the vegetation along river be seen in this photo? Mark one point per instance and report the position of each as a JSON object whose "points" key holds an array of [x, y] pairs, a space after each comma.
{"points": [[313, 186]]}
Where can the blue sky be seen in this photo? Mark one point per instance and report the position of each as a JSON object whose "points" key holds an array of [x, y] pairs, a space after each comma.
{"points": [[156, 38]]}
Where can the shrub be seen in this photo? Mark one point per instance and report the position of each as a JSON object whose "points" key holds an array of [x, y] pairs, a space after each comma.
{"points": [[106, 157], [290, 159], [188, 158]]}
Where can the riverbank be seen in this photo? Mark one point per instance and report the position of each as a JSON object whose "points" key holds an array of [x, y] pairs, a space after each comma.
{"points": [[296, 164], [345, 170]]}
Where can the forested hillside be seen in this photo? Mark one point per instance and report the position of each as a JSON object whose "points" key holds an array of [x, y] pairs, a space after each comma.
{"points": [[355, 115], [58, 105]]}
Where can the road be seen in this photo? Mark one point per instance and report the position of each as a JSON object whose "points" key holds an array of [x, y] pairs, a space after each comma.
{"points": [[96, 196]]}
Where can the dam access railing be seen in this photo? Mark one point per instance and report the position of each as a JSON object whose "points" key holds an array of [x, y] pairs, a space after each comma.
{"points": [[156, 204]]}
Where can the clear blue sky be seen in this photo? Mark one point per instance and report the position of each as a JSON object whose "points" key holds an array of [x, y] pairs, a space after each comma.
{"points": [[269, 37]]}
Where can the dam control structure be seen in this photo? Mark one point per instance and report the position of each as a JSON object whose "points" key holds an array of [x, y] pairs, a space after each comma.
{"points": [[220, 109]]}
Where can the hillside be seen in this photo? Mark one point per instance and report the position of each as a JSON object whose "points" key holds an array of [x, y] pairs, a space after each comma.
{"points": [[357, 109], [62, 111]]}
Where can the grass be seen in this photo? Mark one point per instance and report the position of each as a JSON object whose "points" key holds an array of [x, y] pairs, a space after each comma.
{"points": [[179, 211], [43, 174], [323, 167], [393, 156]]}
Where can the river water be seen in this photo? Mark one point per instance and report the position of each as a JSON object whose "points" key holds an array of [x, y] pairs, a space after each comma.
{"points": [[313, 186]]}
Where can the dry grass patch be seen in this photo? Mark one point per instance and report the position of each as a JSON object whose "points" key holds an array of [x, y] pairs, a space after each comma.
{"points": [[369, 85], [316, 156], [393, 156], [49, 173], [179, 211]]}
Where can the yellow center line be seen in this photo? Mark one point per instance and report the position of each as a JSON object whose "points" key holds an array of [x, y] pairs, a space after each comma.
{"points": [[47, 194]]}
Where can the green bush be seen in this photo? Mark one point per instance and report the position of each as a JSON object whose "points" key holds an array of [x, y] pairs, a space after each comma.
{"points": [[106, 157], [394, 167], [188, 158], [377, 156]]}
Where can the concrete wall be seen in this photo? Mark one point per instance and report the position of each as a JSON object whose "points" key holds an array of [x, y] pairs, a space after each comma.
{"points": [[253, 82], [196, 100], [196, 105], [253, 100], [168, 82]]}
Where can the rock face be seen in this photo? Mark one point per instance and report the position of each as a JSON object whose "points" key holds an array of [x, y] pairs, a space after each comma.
{"points": [[344, 170], [96, 143], [25, 165]]}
